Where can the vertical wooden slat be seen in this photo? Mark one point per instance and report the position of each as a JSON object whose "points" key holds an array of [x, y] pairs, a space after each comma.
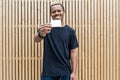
{"points": [[113, 28], [92, 40], [13, 40], [82, 40], [41, 44], [70, 14], [1, 48], [32, 23], [89, 38], [73, 13], [26, 41], [77, 32], [114, 40], [104, 40], [29, 40], [23, 39], [16, 40], [35, 54], [39, 57], [20, 40], [111, 40], [48, 11], [66, 11], [3, 34], [86, 42], [101, 39], [108, 40], [64, 4], [118, 39], [117, 42], [99, 78], [44, 11], [9, 41], [96, 41]]}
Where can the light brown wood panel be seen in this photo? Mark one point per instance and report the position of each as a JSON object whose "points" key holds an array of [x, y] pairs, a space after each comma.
{"points": [[118, 49], [1, 48], [96, 23]]}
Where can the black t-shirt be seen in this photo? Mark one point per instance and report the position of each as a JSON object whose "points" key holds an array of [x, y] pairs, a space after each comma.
{"points": [[57, 46]]}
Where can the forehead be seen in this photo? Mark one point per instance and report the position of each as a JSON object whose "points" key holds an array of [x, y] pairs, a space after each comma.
{"points": [[56, 7]]}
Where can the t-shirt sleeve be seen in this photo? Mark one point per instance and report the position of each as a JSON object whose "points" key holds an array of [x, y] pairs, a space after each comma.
{"points": [[73, 40]]}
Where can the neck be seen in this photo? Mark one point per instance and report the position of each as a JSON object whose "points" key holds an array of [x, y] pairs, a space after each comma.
{"points": [[62, 24]]}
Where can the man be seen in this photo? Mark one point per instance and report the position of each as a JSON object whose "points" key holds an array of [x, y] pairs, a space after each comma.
{"points": [[60, 43]]}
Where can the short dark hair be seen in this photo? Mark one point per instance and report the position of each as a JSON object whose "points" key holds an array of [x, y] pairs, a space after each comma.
{"points": [[56, 4]]}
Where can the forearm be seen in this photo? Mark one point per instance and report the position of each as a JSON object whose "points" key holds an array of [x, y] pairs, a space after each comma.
{"points": [[74, 60], [37, 38]]}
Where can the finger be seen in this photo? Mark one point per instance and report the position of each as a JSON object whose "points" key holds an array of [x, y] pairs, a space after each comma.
{"points": [[45, 28], [48, 25], [47, 31], [70, 78]]}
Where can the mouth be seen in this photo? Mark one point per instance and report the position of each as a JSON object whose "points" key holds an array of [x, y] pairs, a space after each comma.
{"points": [[57, 17]]}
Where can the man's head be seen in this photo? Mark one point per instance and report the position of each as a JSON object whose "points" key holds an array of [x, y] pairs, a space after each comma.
{"points": [[57, 11]]}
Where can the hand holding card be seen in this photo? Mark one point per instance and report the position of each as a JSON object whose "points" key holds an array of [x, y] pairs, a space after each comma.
{"points": [[56, 23]]}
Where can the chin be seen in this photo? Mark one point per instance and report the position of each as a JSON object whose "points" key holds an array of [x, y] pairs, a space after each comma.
{"points": [[57, 19]]}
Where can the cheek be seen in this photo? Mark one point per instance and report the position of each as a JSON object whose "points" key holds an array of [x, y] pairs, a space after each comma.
{"points": [[52, 15], [62, 13]]}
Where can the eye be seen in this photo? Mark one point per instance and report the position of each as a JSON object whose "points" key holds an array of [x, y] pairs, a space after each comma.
{"points": [[59, 10], [53, 11]]}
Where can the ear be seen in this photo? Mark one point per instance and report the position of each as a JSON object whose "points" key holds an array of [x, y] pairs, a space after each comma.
{"points": [[63, 12]]}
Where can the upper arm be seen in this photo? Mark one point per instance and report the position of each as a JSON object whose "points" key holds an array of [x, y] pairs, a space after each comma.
{"points": [[73, 41], [73, 53], [73, 50]]}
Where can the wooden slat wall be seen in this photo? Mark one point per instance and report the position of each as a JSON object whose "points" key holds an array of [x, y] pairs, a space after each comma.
{"points": [[96, 25]]}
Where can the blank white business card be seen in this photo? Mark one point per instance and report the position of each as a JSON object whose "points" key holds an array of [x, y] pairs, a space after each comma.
{"points": [[56, 23]]}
